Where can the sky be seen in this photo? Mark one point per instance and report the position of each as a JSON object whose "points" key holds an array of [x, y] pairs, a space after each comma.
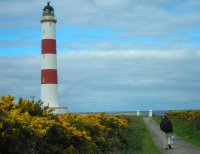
{"points": [[113, 55]]}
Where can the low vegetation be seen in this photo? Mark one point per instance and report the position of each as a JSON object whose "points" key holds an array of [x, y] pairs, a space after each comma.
{"points": [[29, 127]]}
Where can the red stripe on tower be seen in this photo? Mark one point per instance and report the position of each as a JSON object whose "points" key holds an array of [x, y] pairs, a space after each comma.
{"points": [[49, 76], [48, 46]]}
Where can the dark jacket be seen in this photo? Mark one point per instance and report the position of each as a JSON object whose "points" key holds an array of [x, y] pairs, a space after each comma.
{"points": [[166, 125]]}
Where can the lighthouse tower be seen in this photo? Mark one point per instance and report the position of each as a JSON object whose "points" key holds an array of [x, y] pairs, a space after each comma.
{"points": [[49, 79]]}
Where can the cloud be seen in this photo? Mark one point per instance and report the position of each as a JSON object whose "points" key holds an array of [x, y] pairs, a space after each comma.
{"points": [[99, 81], [105, 81], [136, 16], [117, 77], [120, 80], [20, 76], [113, 55], [133, 24]]}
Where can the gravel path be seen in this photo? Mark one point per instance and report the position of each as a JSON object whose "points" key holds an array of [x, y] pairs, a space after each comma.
{"points": [[180, 146]]}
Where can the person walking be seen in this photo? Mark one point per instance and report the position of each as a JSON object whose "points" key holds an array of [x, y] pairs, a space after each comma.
{"points": [[167, 131]]}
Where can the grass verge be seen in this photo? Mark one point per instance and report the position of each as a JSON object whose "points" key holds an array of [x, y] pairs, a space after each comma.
{"points": [[186, 132], [139, 138]]}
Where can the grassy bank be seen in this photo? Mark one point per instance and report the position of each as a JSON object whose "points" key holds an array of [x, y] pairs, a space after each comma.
{"points": [[139, 138], [182, 129], [187, 133]]}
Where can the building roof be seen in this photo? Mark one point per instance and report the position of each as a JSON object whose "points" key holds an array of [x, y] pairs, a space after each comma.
{"points": [[48, 10]]}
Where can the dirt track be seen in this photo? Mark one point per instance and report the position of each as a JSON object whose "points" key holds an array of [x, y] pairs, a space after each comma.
{"points": [[180, 146]]}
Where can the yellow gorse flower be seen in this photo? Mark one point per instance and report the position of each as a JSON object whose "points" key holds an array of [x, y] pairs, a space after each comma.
{"points": [[90, 129]]}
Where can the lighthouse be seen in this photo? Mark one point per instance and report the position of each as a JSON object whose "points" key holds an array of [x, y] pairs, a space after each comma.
{"points": [[49, 78]]}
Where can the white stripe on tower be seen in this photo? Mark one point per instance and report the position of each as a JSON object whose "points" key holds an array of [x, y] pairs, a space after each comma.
{"points": [[49, 79]]}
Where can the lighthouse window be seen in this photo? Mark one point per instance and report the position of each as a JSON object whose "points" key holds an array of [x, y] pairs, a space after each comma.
{"points": [[43, 31], [50, 24], [46, 11]]}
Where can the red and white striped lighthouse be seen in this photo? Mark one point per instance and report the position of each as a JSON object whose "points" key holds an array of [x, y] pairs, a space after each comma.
{"points": [[49, 79]]}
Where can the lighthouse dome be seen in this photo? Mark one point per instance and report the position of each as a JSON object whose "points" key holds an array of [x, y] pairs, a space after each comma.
{"points": [[48, 10]]}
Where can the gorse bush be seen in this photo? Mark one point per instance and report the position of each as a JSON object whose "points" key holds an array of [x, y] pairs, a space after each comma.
{"points": [[191, 118], [29, 127]]}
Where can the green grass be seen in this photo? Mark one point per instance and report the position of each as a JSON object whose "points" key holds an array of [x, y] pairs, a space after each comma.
{"points": [[157, 119], [139, 138], [185, 131]]}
